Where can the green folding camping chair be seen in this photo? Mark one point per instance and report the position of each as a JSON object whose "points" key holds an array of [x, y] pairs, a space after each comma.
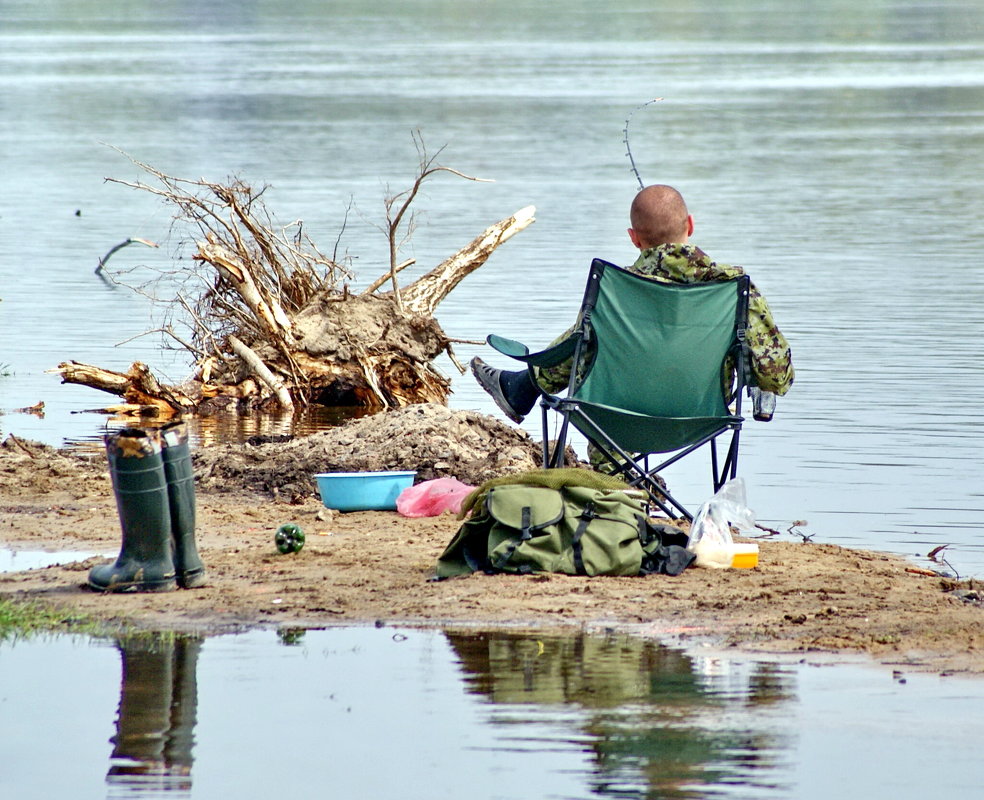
{"points": [[657, 367]]}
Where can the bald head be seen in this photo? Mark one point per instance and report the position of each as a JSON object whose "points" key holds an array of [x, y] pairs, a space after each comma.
{"points": [[659, 216]]}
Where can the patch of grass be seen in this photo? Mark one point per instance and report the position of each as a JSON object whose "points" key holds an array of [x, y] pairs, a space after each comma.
{"points": [[21, 620]]}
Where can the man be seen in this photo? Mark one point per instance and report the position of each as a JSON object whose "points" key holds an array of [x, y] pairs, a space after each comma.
{"points": [[661, 229]]}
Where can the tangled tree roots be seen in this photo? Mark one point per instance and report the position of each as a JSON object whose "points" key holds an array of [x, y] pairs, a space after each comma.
{"points": [[270, 319]]}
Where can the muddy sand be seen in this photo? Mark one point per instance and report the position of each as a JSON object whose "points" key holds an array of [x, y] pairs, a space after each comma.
{"points": [[366, 567]]}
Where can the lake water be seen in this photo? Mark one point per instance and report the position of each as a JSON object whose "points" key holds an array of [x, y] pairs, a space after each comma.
{"points": [[390, 713], [831, 147], [834, 151]]}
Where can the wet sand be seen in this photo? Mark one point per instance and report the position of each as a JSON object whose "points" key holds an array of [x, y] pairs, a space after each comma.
{"points": [[367, 567]]}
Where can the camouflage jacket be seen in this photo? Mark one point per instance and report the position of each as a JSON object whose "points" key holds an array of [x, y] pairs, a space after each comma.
{"points": [[772, 366]]}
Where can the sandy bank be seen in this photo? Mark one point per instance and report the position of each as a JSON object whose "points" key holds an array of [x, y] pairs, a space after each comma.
{"points": [[362, 567]]}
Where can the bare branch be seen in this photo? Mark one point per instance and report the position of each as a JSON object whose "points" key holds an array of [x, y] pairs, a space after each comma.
{"points": [[386, 276], [262, 371], [120, 246], [428, 167]]}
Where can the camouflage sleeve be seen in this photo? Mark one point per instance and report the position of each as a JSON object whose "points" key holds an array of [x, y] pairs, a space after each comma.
{"points": [[772, 364]]}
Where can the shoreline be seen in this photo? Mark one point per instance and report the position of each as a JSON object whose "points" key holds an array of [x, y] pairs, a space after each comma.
{"points": [[804, 599], [367, 568]]}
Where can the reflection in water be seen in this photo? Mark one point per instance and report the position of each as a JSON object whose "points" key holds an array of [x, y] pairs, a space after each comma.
{"points": [[653, 721], [656, 720], [152, 748], [233, 427], [414, 714]]}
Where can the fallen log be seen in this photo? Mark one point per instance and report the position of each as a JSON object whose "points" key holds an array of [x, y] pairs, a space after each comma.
{"points": [[138, 386], [255, 363]]}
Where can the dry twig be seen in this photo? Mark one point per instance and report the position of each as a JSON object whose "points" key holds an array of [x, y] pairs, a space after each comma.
{"points": [[398, 205]]}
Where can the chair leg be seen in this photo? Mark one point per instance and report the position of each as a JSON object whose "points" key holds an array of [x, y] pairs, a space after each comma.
{"points": [[556, 458], [733, 460], [639, 476], [729, 469], [716, 475], [545, 444]]}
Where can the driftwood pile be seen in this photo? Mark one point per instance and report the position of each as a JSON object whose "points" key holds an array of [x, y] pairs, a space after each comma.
{"points": [[271, 321]]}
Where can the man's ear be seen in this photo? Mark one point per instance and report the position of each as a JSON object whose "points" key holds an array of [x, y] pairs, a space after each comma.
{"points": [[635, 238], [690, 224]]}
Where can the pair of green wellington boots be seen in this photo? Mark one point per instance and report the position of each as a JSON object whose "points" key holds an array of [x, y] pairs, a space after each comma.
{"points": [[154, 484]]}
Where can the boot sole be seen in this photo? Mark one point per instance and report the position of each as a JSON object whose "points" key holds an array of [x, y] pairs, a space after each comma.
{"points": [[191, 580], [141, 586]]}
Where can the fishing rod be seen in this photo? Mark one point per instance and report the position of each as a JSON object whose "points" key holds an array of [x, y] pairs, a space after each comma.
{"points": [[625, 131]]}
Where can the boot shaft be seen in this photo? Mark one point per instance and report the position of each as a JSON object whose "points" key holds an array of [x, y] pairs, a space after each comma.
{"points": [[136, 467], [180, 477]]}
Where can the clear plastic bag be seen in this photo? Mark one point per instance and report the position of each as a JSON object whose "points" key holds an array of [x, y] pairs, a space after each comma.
{"points": [[710, 532]]}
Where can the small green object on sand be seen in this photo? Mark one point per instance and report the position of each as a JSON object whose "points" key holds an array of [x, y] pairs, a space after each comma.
{"points": [[289, 538]]}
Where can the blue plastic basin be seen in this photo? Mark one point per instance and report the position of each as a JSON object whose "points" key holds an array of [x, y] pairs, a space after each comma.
{"points": [[362, 491]]}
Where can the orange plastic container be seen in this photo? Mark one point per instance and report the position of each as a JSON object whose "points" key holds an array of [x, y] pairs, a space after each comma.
{"points": [[744, 556]]}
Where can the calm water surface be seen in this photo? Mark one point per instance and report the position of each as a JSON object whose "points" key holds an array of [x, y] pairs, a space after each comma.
{"points": [[834, 152], [389, 713]]}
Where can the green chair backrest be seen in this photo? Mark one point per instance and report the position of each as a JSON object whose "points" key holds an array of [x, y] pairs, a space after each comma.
{"points": [[660, 347]]}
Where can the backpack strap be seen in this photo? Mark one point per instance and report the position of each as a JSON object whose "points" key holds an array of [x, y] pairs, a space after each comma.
{"points": [[525, 524], [525, 534], [587, 514]]}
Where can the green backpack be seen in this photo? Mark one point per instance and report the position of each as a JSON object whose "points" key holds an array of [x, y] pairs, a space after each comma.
{"points": [[524, 527]]}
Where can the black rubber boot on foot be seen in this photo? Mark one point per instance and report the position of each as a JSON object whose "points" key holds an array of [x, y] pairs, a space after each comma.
{"points": [[513, 392], [180, 479], [145, 563]]}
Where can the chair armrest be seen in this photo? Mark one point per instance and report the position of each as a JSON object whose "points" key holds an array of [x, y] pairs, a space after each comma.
{"points": [[551, 356], [508, 347]]}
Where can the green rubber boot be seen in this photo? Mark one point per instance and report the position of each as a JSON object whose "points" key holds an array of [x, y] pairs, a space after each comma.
{"points": [[181, 492], [145, 563]]}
